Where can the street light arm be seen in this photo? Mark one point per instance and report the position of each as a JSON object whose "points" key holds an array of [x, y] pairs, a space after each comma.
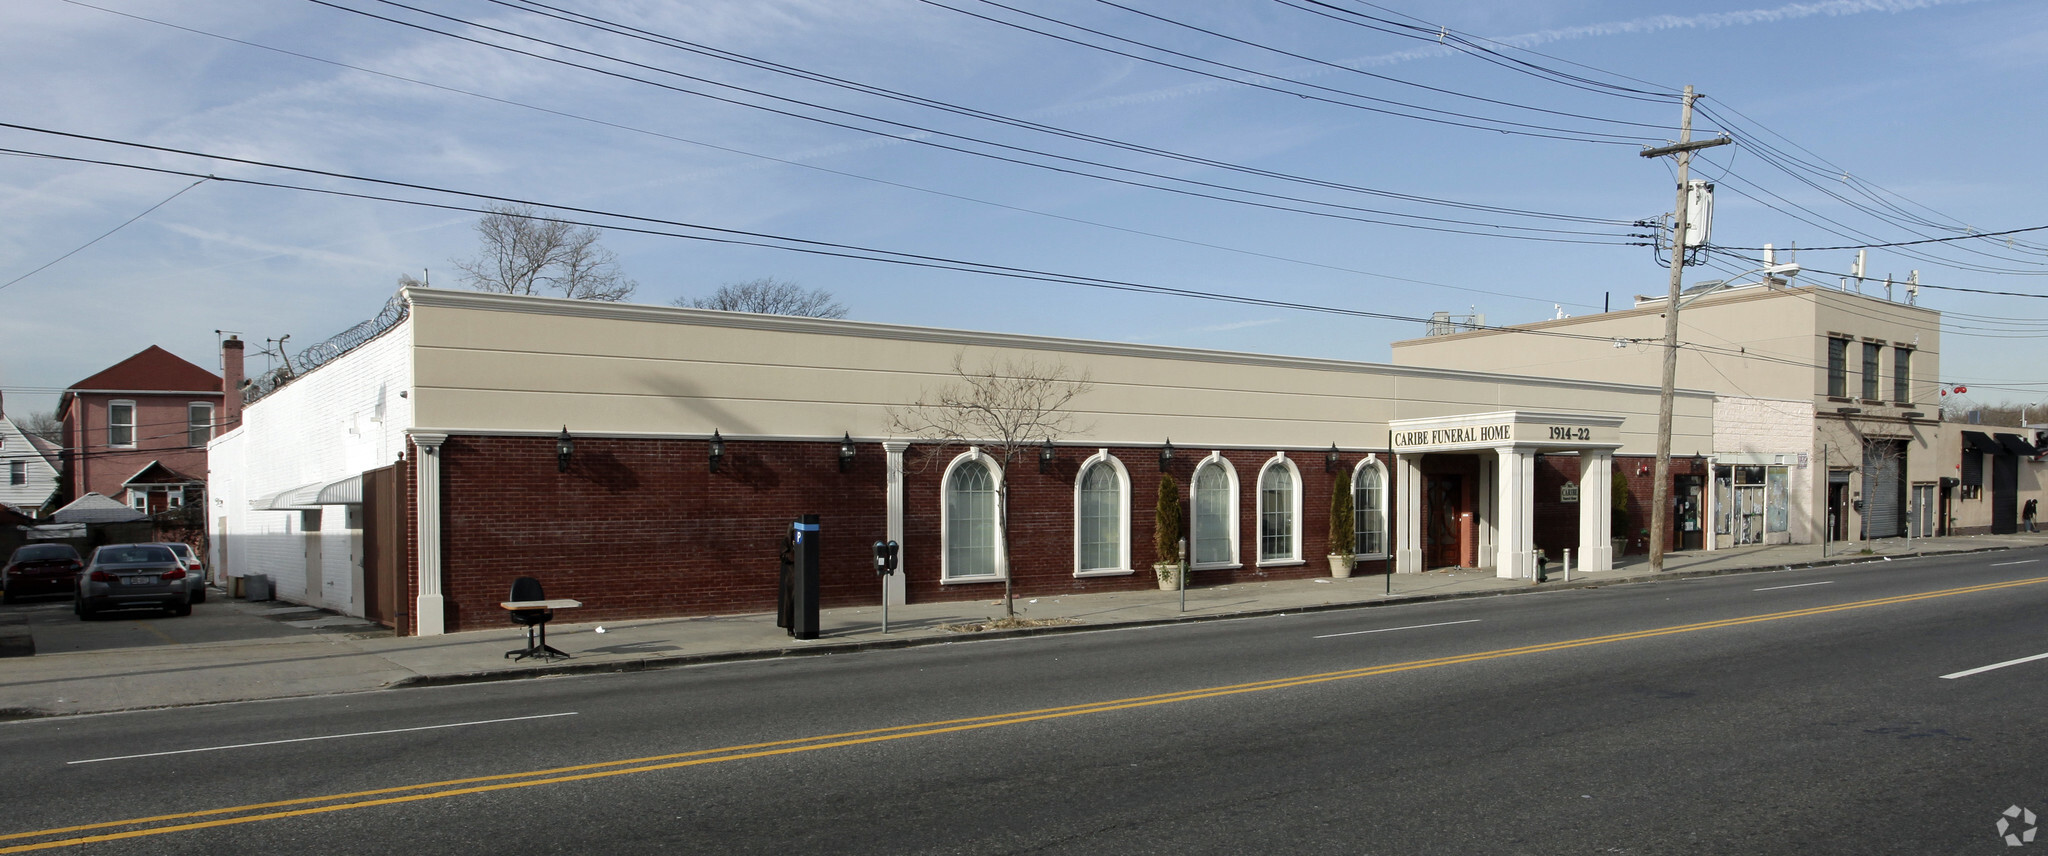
{"points": [[1789, 269]]}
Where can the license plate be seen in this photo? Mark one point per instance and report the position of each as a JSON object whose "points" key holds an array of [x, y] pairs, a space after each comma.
{"points": [[138, 581]]}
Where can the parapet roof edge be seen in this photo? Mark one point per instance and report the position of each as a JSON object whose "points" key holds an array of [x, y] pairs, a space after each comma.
{"points": [[530, 304]]}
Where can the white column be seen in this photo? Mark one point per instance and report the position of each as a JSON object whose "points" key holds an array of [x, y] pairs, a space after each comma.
{"points": [[427, 607], [896, 587], [1515, 507], [1408, 515], [1596, 503], [1487, 527]]}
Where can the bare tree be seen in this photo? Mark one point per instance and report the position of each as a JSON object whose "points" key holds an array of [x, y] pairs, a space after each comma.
{"points": [[1007, 409], [43, 424], [769, 296], [525, 253]]}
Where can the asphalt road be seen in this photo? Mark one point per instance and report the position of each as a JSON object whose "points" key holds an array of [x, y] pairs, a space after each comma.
{"points": [[1793, 712]]}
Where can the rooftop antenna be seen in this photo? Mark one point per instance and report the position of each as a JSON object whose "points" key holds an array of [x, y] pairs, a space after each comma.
{"points": [[1856, 270], [1887, 286], [1913, 289]]}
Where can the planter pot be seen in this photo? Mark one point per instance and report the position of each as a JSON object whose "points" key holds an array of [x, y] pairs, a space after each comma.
{"points": [[1168, 574], [1341, 565], [1620, 547]]}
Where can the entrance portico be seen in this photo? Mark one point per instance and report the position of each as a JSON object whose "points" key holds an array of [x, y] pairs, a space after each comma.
{"points": [[1508, 442]]}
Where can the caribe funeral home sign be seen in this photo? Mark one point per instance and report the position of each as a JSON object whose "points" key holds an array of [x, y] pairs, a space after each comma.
{"points": [[1509, 428]]}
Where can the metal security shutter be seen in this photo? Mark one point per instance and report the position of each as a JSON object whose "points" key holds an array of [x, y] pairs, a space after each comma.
{"points": [[1884, 488]]}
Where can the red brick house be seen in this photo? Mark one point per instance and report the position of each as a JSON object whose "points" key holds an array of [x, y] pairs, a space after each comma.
{"points": [[137, 431]]}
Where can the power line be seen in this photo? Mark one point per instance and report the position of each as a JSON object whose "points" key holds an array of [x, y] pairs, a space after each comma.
{"points": [[844, 173], [1336, 212], [1497, 125], [124, 224], [719, 235]]}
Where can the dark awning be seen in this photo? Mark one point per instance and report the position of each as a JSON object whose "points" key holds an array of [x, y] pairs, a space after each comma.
{"points": [[1978, 441], [2017, 446]]}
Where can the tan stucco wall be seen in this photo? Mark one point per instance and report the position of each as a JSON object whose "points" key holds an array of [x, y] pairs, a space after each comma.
{"points": [[496, 363], [1754, 342]]}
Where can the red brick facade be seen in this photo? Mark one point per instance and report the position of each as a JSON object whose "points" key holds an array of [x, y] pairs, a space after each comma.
{"points": [[641, 528]]}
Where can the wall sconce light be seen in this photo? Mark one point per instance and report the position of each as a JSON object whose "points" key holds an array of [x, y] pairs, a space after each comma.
{"points": [[717, 449], [565, 446], [1045, 453], [1331, 459], [1166, 455], [846, 453]]}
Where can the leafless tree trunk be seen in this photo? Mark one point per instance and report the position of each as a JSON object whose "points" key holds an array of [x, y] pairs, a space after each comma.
{"points": [[524, 253], [1008, 409]]}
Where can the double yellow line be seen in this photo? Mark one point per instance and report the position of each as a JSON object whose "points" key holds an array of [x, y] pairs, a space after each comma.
{"points": [[69, 836]]}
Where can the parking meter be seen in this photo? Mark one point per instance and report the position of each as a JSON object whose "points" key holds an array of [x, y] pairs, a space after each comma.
{"points": [[803, 588], [885, 557]]}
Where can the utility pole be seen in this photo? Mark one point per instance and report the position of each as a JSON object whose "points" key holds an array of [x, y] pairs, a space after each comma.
{"points": [[1660, 491]]}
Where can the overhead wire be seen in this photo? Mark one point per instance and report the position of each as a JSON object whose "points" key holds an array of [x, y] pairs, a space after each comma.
{"points": [[716, 234], [1525, 233], [1498, 125], [1381, 77], [828, 170], [677, 43]]}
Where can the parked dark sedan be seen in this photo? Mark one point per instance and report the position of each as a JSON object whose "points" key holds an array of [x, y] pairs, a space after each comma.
{"points": [[40, 569], [133, 575]]}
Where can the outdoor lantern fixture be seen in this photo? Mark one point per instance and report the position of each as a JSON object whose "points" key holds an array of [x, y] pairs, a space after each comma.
{"points": [[1166, 455], [565, 446], [1331, 459], [846, 453], [717, 449], [1045, 454]]}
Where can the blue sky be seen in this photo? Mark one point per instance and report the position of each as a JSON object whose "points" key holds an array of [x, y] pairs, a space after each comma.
{"points": [[1898, 120]]}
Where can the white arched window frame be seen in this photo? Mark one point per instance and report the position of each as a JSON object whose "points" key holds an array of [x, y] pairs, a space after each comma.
{"points": [[970, 534], [1212, 523], [1369, 509], [1279, 512], [1102, 517]]}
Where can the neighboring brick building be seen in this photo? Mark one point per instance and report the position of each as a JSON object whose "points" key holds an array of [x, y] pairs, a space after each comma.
{"points": [[409, 473], [137, 431]]}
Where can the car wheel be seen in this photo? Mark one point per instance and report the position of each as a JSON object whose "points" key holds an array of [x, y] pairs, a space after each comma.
{"points": [[181, 608], [85, 613], [6, 593], [200, 595]]}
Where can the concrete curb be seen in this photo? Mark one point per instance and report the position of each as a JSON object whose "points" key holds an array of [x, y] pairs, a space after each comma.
{"points": [[678, 661], [15, 639]]}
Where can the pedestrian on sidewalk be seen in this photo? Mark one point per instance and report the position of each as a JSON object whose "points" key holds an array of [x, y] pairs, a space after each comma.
{"points": [[2027, 514]]}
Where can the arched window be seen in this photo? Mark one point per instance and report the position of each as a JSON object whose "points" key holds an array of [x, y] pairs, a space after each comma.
{"points": [[1215, 517], [1279, 512], [1369, 508], [1102, 522], [973, 540]]}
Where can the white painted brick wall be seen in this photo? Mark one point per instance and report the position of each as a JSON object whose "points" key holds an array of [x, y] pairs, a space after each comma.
{"points": [[1769, 426], [322, 427]]}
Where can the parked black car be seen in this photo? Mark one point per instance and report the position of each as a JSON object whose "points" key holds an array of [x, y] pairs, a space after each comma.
{"points": [[40, 569], [133, 575]]}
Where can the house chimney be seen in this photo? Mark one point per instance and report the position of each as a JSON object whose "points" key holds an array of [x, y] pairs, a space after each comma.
{"points": [[231, 383]]}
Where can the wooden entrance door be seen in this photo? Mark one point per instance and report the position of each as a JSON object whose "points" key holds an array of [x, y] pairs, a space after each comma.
{"points": [[384, 535], [1442, 536]]}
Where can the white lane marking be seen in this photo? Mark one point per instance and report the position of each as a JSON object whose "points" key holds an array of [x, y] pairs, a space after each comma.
{"points": [[1979, 669], [1392, 629], [2020, 562], [1795, 585], [324, 737]]}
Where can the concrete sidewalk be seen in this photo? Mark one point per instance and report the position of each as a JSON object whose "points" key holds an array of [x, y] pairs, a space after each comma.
{"points": [[322, 663]]}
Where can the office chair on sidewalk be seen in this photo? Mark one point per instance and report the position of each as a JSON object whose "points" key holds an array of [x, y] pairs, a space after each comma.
{"points": [[536, 621]]}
